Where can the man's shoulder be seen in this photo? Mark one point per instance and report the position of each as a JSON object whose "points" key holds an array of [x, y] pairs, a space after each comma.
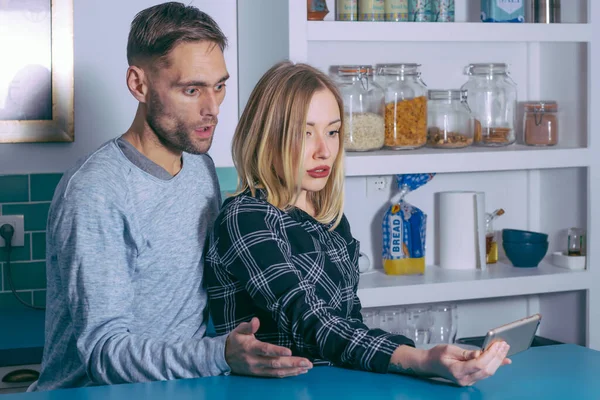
{"points": [[201, 166], [101, 171], [201, 163]]}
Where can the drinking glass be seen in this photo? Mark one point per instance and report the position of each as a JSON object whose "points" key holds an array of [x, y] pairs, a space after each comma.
{"points": [[370, 318], [445, 323], [391, 320], [419, 324]]}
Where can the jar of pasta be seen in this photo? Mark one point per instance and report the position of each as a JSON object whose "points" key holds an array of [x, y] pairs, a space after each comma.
{"points": [[364, 127], [405, 105], [492, 98]]}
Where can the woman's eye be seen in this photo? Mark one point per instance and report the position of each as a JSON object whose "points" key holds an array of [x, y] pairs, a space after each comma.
{"points": [[334, 133], [308, 133]]}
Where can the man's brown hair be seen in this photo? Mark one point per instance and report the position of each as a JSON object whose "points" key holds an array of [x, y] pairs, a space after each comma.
{"points": [[155, 31]]}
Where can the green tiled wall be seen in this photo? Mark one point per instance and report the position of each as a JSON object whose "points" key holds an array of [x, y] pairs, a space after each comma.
{"points": [[42, 186], [31, 195], [27, 195], [14, 188], [227, 180]]}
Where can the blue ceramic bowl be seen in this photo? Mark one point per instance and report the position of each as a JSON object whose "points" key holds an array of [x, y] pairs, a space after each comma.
{"points": [[518, 236], [525, 255]]}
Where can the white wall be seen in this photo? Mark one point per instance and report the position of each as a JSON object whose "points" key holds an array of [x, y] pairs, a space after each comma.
{"points": [[103, 107], [263, 41]]}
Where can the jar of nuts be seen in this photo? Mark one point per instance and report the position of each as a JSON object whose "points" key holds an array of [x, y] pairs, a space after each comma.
{"points": [[492, 98], [364, 127], [405, 105], [450, 124]]}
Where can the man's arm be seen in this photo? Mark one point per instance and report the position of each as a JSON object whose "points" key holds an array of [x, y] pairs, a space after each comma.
{"points": [[95, 255]]}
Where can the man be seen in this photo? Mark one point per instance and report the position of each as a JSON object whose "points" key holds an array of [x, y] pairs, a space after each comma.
{"points": [[127, 225]]}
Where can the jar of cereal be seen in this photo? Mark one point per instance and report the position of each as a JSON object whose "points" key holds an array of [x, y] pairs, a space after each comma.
{"points": [[364, 127], [405, 105]]}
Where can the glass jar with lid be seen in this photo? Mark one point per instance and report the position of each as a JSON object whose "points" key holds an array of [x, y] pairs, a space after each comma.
{"points": [[492, 98], [405, 105], [540, 123], [449, 119], [364, 127]]}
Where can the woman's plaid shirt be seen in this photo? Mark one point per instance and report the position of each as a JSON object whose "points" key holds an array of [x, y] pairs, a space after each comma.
{"points": [[298, 278]]}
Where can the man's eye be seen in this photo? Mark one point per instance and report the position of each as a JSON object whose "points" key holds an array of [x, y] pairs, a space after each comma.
{"points": [[220, 87], [191, 91]]}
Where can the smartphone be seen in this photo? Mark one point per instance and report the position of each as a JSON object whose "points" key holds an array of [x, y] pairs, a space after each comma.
{"points": [[518, 334], [321, 363]]}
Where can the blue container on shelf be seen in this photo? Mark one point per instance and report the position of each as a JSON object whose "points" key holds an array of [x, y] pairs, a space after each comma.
{"points": [[525, 255], [519, 236], [503, 10]]}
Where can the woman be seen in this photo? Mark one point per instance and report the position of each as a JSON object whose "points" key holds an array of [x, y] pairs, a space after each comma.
{"points": [[281, 249]]}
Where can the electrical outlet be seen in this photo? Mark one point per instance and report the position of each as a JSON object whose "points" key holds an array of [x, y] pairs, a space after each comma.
{"points": [[378, 184], [17, 222]]}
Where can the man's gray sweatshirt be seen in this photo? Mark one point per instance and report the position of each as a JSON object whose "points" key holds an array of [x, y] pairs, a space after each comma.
{"points": [[125, 301]]}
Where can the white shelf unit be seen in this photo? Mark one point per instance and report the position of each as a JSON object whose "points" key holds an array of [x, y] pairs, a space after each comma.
{"points": [[446, 32], [546, 189], [377, 289], [517, 157]]}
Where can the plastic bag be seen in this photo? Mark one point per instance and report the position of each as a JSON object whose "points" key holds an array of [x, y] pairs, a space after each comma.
{"points": [[404, 227]]}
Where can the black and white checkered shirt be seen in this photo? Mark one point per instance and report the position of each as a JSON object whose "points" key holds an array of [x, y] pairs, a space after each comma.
{"points": [[298, 278]]}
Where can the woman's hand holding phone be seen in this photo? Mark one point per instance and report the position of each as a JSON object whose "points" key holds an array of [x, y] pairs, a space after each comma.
{"points": [[463, 367], [466, 367]]}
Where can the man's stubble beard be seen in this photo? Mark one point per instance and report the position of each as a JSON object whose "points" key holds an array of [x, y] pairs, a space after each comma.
{"points": [[176, 139]]}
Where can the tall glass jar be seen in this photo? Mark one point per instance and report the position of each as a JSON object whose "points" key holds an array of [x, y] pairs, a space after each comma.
{"points": [[405, 105], [449, 119], [492, 97], [364, 127]]}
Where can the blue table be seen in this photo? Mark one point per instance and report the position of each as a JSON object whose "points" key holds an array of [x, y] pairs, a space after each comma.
{"points": [[551, 372]]}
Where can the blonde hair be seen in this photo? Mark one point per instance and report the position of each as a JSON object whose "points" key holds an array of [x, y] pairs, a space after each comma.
{"points": [[268, 144]]}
